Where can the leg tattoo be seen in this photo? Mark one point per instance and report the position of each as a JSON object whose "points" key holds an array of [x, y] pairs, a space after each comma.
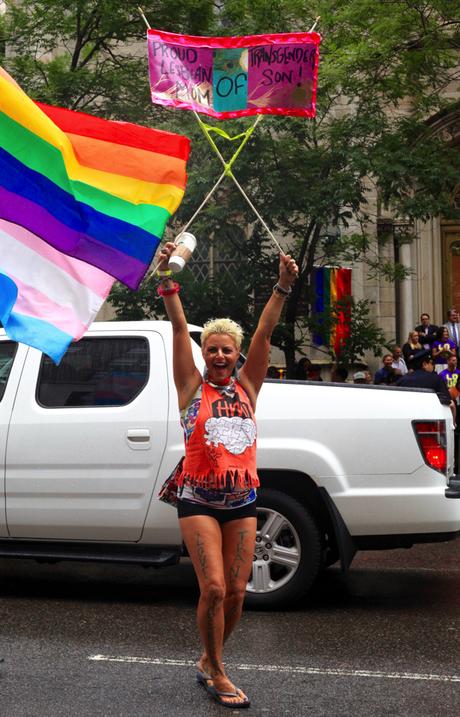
{"points": [[211, 639], [201, 555], [240, 557]]}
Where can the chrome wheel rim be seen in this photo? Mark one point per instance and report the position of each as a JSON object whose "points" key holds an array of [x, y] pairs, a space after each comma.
{"points": [[276, 554]]}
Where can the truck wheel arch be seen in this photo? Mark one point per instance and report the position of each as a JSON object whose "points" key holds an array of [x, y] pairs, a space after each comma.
{"points": [[287, 553], [337, 542]]}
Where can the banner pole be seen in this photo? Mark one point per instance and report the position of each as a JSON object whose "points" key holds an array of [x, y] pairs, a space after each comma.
{"points": [[315, 23], [192, 219], [141, 13], [229, 173], [259, 217]]}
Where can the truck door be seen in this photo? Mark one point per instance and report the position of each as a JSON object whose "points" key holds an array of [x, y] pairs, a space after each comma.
{"points": [[11, 361], [86, 439]]}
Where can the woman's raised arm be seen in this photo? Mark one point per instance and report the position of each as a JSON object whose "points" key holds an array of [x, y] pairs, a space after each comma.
{"points": [[255, 367], [187, 378]]}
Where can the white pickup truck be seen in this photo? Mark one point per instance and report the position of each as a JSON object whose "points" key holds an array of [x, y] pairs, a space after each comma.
{"points": [[85, 447]]}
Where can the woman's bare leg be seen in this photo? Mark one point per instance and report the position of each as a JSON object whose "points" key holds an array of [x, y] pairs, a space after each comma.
{"points": [[238, 539], [203, 538]]}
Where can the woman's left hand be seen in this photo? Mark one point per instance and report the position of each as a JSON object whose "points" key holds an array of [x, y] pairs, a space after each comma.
{"points": [[164, 255], [289, 271]]}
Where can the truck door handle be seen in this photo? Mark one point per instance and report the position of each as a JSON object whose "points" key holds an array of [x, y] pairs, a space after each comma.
{"points": [[138, 438]]}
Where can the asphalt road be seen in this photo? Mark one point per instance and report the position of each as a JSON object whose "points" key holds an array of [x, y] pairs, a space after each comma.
{"points": [[110, 641]]}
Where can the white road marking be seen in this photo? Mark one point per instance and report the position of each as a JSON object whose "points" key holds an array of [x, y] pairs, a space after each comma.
{"points": [[295, 669]]}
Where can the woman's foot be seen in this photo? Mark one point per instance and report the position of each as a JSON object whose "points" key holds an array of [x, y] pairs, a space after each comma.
{"points": [[220, 686], [202, 665], [225, 692]]}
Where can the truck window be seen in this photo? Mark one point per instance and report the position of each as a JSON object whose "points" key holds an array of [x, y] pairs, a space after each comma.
{"points": [[7, 353], [95, 372]]}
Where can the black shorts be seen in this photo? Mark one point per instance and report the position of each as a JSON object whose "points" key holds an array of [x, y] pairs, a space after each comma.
{"points": [[185, 509]]}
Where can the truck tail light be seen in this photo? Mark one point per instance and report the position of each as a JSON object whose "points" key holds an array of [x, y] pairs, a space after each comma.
{"points": [[431, 438]]}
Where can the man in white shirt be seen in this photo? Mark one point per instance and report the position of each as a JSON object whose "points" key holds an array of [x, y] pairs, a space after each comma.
{"points": [[398, 361]]}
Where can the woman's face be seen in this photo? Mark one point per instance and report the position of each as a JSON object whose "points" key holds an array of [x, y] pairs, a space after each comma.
{"points": [[445, 335], [220, 355], [414, 337]]}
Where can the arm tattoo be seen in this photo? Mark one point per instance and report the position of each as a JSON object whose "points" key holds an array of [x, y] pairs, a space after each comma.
{"points": [[201, 555]]}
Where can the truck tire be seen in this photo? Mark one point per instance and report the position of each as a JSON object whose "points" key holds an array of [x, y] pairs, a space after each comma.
{"points": [[287, 555]]}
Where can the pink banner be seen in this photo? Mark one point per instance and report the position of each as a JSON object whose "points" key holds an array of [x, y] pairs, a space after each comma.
{"points": [[227, 77]]}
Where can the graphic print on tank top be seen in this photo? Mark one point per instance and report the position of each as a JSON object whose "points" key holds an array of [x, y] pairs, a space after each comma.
{"points": [[231, 425]]}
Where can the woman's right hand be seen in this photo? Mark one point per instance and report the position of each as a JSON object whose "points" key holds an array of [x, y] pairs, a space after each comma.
{"points": [[164, 255]]}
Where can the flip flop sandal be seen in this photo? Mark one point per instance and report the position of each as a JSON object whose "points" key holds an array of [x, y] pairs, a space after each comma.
{"points": [[217, 696], [203, 678]]}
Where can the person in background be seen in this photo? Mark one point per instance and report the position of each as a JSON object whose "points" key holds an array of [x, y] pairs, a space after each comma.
{"points": [[453, 327], [451, 375], [398, 361], [386, 374], [411, 347], [359, 377], [442, 349], [426, 331], [424, 376], [305, 371], [272, 372], [339, 374]]}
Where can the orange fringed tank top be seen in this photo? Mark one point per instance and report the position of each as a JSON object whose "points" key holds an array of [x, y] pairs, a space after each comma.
{"points": [[221, 452]]}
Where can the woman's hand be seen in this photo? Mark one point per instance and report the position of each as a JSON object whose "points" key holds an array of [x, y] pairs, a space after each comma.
{"points": [[164, 255], [289, 271]]}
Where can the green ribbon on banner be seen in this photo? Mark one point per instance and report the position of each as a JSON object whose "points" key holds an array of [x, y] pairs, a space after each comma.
{"points": [[207, 129]]}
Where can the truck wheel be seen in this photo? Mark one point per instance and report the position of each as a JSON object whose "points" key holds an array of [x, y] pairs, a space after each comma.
{"points": [[287, 553]]}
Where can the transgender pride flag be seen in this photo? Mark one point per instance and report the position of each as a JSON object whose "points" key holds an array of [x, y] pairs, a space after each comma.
{"points": [[47, 299], [82, 201]]}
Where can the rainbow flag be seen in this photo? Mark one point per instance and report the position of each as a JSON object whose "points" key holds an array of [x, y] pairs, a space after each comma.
{"points": [[82, 200], [331, 286], [97, 190]]}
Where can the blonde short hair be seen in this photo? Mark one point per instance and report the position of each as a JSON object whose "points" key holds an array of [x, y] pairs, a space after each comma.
{"points": [[223, 326]]}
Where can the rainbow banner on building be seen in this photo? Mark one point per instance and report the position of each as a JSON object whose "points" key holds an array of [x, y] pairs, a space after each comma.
{"points": [[331, 287], [97, 190], [228, 77]]}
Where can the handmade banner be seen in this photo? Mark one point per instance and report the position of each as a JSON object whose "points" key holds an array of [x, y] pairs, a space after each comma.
{"points": [[227, 77], [98, 190], [332, 285]]}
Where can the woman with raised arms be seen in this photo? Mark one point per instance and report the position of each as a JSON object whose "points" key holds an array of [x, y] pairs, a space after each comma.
{"points": [[217, 486]]}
